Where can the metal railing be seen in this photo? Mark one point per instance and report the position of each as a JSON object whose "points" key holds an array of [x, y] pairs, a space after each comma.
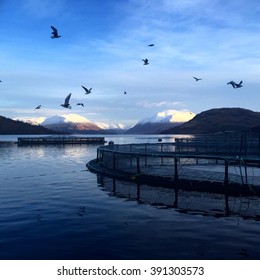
{"points": [[166, 160]]}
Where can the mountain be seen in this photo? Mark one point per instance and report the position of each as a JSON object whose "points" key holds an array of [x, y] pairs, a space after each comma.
{"points": [[71, 123], [161, 121], [74, 123], [9, 126], [112, 128], [37, 121], [218, 120]]}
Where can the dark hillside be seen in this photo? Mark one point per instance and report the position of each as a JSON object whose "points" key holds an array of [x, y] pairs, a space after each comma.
{"points": [[219, 120], [9, 126]]}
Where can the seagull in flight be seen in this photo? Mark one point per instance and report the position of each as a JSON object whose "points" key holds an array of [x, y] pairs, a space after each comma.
{"points": [[87, 91], [66, 102], [197, 79], [145, 61], [124, 92], [38, 107], [235, 85], [151, 45], [81, 104], [55, 33]]}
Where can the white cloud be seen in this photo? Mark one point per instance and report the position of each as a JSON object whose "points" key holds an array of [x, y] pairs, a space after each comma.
{"points": [[46, 8], [148, 104]]}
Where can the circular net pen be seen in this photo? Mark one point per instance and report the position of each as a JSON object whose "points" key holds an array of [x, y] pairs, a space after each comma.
{"points": [[163, 164]]}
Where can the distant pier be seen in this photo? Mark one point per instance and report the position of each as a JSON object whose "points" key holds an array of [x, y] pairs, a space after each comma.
{"points": [[59, 140]]}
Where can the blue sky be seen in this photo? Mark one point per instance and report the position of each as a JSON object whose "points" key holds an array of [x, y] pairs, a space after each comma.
{"points": [[102, 46]]}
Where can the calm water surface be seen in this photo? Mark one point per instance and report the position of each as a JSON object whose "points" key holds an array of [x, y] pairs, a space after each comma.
{"points": [[52, 207]]}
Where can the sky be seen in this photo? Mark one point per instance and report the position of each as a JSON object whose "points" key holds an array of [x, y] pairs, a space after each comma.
{"points": [[102, 45]]}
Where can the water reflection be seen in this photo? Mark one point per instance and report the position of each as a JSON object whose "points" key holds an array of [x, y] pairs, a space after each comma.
{"points": [[26, 162], [193, 203]]}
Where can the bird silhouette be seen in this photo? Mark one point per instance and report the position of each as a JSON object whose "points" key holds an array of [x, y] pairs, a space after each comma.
{"points": [[235, 85], [151, 45], [38, 107], [145, 61], [87, 91], [125, 92], [197, 79], [81, 104], [66, 102], [55, 33]]}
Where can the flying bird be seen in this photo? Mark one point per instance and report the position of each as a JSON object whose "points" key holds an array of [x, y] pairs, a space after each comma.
{"points": [[197, 79], [55, 33], [38, 107], [145, 61], [87, 91], [124, 92], [235, 85], [81, 104], [66, 102], [151, 45]]}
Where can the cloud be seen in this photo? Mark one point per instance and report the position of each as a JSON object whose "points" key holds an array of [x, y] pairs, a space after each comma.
{"points": [[148, 104], [46, 8], [196, 33]]}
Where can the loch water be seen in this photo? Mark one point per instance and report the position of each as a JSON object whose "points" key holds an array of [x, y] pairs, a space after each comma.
{"points": [[52, 207]]}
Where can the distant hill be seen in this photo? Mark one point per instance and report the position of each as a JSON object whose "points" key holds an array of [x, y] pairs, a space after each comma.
{"points": [[9, 126], [218, 120], [161, 121], [150, 128]]}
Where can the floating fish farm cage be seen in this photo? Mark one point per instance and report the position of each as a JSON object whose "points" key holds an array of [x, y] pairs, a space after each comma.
{"points": [[210, 163]]}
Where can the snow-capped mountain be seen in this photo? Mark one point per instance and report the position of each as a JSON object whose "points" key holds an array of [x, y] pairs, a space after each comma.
{"points": [[71, 123], [36, 121], [74, 118], [161, 121], [118, 128], [110, 126], [74, 123]]}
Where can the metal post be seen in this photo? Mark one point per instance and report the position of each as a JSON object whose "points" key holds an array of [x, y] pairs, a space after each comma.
{"points": [[226, 173], [227, 210], [114, 162], [176, 176], [138, 165], [245, 171], [102, 156]]}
